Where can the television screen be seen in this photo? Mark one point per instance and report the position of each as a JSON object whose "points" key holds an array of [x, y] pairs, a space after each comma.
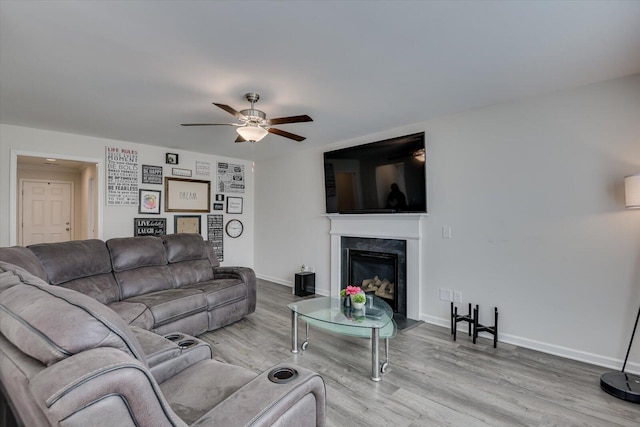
{"points": [[380, 177]]}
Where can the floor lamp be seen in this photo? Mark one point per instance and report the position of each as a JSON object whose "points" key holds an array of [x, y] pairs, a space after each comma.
{"points": [[621, 384]]}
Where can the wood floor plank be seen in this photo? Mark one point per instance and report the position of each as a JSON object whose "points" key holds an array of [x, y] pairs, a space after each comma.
{"points": [[432, 380]]}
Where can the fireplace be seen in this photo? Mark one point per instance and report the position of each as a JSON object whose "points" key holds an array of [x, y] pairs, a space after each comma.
{"points": [[376, 273], [378, 266], [385, 228]]}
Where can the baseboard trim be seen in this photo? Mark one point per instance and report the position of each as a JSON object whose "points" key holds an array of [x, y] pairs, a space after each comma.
{"points": [[275, 280], [556, 350]]}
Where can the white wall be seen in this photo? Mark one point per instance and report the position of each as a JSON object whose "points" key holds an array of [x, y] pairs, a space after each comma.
{"points": [[533, 191], [117, 221]]}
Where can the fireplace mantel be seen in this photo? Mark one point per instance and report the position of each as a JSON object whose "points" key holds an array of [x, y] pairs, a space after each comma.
{"points": [[381, 226]]}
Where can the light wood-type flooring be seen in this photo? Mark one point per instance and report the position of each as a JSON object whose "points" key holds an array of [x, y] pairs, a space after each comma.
{"points": [[431, 381]]}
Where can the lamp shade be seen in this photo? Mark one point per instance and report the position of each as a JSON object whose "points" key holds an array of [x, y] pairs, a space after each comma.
{"points": [[632, 191], [252, 133]]}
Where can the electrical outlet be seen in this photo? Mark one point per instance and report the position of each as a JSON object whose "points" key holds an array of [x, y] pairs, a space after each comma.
{"points": [[446, 294], [446, 231], [457, 296]]}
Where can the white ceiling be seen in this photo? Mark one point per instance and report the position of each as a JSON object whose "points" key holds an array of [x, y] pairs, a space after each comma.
{"points": [[135, 70]]}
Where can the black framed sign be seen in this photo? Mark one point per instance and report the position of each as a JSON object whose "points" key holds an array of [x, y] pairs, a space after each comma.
{"points": [[149, 226], [151, 174], [214, 235]]}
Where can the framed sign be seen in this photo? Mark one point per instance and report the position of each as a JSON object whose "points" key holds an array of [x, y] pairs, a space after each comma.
{"points": [[151, 174], [187, 195], [218, 206], [234, 205], [149, 201], [180, 172], [149, 226], [122, 176], [214, 235], [186, 224]]}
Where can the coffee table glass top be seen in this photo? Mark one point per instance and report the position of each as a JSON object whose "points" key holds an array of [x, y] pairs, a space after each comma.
{"points": [[330, 314]]}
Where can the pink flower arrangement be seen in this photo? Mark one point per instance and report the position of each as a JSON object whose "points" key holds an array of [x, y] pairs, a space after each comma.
{"points": [[352, 290]]}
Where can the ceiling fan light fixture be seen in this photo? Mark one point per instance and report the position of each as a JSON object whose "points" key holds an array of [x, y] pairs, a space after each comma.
{"points": [[252, 133]]}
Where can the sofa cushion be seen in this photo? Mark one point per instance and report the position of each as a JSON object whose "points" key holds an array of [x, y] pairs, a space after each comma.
{"points": [[173, 304], [190, 272], [23, 257], [134, 252], [66, 261], [188, 258], [221, 291], [50, 323], [184, 247], [102, 287], [140, 281], [191, 393], [81, 265], [134, 313]]}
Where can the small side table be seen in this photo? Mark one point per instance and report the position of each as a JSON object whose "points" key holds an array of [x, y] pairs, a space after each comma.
{"points": [[305, 284]]}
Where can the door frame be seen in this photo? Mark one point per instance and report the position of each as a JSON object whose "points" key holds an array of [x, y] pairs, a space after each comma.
{"points": [[21, 206], [13, 187]]}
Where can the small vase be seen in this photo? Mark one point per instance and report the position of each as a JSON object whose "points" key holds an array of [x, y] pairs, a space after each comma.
{"points": [[346, 302], [358, 305]]}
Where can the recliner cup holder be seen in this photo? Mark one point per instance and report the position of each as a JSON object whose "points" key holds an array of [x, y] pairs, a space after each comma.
{"points": [[174, 337], [186, 343], [282, 375]]}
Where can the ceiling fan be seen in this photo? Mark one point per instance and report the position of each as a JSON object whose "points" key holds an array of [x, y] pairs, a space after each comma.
{"points": [[254, 123]]}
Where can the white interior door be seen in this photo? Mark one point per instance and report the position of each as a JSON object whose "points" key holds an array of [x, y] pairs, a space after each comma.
{"points": [[46, 212]]}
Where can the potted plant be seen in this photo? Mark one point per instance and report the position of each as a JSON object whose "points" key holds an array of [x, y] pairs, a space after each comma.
{"points": [[358, 301]]}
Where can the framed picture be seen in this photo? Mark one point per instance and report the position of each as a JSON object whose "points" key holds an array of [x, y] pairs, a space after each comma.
{"points": [[187, 195], [149, 226], [171, 159], [218, 206], [186, 224], [149, 201], [180, 172], [234, 205], [219, 197]]}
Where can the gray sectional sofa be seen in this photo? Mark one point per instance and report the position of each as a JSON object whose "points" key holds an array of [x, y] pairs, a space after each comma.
{"points": [[103, 334], [162, 284]]}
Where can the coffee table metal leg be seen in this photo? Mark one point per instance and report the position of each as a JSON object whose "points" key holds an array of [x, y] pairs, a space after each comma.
{"points": [[375, 354], [304, 345], [294, 332]]}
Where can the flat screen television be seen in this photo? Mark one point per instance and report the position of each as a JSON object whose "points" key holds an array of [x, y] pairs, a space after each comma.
{"points": [[380, 177]]}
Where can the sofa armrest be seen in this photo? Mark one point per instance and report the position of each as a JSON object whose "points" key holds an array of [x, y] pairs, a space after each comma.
{"points": [[299, 401], [103, 380], [172, 353], [248, 277]]}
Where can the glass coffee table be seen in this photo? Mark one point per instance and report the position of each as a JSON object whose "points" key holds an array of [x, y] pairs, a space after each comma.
{"points": [[375, 320]]}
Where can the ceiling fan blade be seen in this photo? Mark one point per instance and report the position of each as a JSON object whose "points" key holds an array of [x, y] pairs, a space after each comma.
{"points": [[209, 124], [231, 111], [286, 134], [291, 119], [240, 139]]}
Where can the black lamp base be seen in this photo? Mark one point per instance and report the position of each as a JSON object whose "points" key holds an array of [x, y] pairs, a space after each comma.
{"points": [[622, 385]]}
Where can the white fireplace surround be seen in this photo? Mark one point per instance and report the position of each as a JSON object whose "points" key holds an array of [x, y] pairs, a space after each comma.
{"points": [[406, 227]]}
